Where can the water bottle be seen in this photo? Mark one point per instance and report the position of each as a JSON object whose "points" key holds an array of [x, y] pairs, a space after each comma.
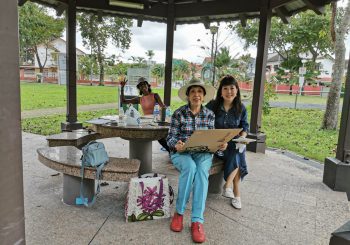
{"points": [[121, 117], [168, 115], [156, 113]]}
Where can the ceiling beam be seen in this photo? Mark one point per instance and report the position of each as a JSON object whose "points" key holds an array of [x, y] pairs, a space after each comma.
{"points": [[243, 19], [61, 7], [139, 21], [157, 10], [21, 2], [283, 14], [222, 7], [313, 7], [206, 22]]}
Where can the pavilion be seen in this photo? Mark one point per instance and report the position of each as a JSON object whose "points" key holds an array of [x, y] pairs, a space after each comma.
{"points": [[173, 13]]}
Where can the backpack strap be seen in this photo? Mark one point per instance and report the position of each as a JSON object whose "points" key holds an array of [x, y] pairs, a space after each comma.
{"points": [[81, 200]]}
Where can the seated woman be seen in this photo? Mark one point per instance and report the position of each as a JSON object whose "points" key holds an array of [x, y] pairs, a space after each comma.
{"points": [[147, 100], [231, 113], [193, 166]]}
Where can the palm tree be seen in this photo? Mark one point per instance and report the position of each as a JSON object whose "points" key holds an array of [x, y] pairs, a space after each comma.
{"points": [[149, 54], [223, 60]]}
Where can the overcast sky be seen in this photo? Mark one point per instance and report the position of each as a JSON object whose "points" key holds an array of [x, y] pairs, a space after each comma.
{"points": [[152, 36], [188, 40]]}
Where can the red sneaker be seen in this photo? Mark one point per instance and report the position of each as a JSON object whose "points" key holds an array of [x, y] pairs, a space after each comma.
{"points": [[177, 223], [197, 230]]}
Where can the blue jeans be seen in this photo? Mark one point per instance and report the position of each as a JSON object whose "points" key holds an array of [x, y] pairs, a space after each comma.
{"points": [[194, 172]]}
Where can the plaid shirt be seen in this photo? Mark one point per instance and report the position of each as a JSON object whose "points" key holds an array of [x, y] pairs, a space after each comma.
{"points": [[183, 123]]}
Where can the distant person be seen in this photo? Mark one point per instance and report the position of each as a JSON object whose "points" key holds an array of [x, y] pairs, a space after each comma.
{"points": [[231, 113], [193, 166], [147, 100]]}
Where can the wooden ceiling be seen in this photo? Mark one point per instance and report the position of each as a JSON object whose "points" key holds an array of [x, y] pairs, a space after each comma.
{"points": [[189, 11]]}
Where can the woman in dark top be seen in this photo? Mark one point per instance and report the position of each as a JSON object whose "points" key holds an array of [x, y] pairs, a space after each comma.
{"points": [[231, 113]]}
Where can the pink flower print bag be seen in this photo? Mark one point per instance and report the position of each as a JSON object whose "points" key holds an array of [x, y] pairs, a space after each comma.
{"points": [[149, 198]]}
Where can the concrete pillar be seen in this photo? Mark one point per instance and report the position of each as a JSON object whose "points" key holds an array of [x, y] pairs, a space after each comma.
{"points": [[11, 174], [259, 80]]}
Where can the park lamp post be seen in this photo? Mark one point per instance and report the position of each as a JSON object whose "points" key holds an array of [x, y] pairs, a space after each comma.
{"points": [[213, 31], [302, 71]]}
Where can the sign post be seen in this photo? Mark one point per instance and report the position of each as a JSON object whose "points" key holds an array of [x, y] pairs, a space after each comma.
{"points": [[302, 72]]}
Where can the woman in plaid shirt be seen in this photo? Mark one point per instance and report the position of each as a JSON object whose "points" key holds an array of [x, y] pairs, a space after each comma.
{"points": [[193, 166]]}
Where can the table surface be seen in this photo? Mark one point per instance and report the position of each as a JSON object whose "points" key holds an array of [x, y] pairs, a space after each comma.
{"points": [[145, 131]]}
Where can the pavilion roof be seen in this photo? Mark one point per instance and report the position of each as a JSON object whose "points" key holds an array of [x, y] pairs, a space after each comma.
{"points": [[190, 11]]}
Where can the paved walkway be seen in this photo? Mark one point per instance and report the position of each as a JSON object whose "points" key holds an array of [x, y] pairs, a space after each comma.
{"points": [[284, 202], [62, 110]]}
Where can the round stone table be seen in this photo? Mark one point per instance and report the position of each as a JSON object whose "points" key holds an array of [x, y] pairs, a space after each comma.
{"points": [[140, 140]]}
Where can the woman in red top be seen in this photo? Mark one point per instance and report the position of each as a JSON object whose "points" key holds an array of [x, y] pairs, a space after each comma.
{"points": [[147, 100]]}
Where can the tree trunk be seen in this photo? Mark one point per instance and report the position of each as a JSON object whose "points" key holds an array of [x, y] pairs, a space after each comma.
{"points": [[330, 118], [100, 65]]}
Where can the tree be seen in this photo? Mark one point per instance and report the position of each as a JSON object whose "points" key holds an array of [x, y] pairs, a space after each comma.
{"points": [[149, 54], [181, 69], [96, 34], [285, 38], [36, 27], [223, 60], [87, 66], [158, 71], [330, 118]]}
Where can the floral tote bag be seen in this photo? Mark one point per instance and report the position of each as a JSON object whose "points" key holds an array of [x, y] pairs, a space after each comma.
{"points": [[149, 197]]}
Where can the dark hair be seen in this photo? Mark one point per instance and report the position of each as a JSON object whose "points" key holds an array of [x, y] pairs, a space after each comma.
{"points": [[141, 83], [236, 103], [193, 86]]}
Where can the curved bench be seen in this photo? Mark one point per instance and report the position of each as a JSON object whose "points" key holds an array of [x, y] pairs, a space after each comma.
{"points": [[77, 138], [216, 176], [66, 159]]}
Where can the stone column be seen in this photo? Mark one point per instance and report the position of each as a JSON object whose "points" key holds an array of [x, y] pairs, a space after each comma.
{"points": [[11, 174]]}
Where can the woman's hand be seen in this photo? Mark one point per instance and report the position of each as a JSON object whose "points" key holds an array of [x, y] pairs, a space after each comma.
{"points": [[179, 145], [223, 147], [122, 83]]}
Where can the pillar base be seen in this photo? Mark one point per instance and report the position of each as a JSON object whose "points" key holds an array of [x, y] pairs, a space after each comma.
{"points": [[336, 175], [259, 145], [67, 126], [216, 182], [341, 236]]}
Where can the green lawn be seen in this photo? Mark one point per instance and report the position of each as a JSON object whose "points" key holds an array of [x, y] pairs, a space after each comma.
{"points": [[43, 95], [299, 131]]}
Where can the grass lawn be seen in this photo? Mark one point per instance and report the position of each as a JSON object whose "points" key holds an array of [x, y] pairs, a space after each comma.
{"points": [[44, 95], [299, 131], [295, 130]]}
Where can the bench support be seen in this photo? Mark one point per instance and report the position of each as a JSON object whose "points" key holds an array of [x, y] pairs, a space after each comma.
{"points": [[142, 150], [71, 188], [216, 181]]}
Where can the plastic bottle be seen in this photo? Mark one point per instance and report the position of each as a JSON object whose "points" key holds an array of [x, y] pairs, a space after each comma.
{"points": [[156, 113], [168, 115], [121, 117]]}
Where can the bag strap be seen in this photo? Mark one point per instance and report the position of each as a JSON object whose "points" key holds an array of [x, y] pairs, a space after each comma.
{"points": [[83, 200]]}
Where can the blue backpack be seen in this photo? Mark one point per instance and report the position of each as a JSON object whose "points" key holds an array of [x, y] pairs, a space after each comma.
{"points": [[94, 155]]}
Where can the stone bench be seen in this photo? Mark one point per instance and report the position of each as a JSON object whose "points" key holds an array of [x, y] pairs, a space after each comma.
{"points": [[77, 138], [66, 159], [216, 176]]}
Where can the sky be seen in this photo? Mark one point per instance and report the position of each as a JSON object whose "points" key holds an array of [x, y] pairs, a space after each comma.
{"points": [[188, 40]]}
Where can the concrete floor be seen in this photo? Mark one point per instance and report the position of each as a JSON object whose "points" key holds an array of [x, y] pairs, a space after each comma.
{"points": [[284, 202]]}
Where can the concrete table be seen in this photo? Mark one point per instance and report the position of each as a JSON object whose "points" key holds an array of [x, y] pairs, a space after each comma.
{"points": [[140, 140]]}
